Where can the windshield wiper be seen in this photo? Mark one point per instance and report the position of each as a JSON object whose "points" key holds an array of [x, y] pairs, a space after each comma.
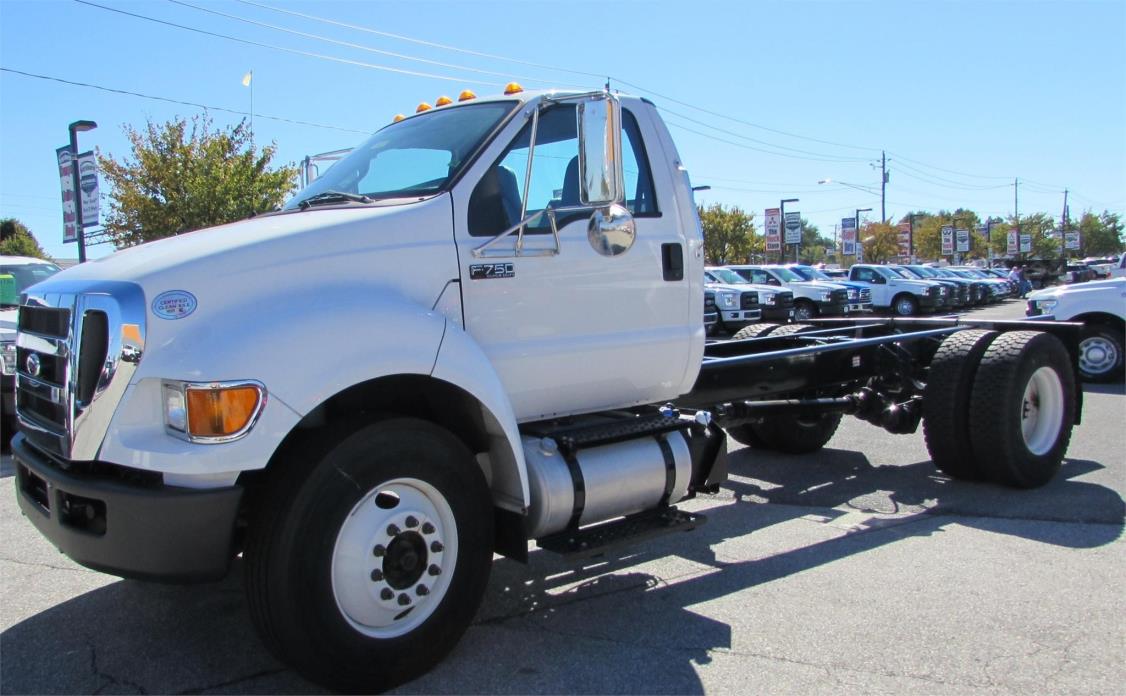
{"points": [[333, 197]]}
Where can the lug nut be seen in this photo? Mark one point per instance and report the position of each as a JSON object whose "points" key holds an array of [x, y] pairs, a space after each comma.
{"points": [[404, 599], [412, 522], [379, 551], [427, 528], [392, 530], [422, 590], [436, 546], [386, 593], [434, 570], [376, 575]]}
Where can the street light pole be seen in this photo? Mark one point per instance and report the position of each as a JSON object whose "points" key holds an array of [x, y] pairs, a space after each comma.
{"points": [[782, 246], [79, 231]]}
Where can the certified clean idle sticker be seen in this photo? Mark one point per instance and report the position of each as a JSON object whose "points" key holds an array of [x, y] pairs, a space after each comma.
{"points": [[174, 304]]}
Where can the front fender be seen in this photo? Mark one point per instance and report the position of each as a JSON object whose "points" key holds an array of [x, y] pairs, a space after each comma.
{"points": [[462, 362]]}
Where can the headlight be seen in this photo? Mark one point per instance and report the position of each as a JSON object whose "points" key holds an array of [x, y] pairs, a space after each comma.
{"points": [[1046, 306], [825, 295], [768, 299], [853, 294], [8, 357], [942, 290], [727, 300], [212, 412]]}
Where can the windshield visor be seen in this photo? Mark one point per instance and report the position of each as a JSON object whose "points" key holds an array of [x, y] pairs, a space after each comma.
{"points": [[414, 157]]}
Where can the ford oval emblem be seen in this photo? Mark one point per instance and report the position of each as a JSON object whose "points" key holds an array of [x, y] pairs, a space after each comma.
{"points": [[174, 304], [33, 365]]}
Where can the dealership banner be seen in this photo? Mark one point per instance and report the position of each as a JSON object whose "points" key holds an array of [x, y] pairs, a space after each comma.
{"points": [[1011, 245], [1025, 243], [963, 240], [1072, 240], [66, 181], [88, 188], [905, 239], [947, 240], [793, 228], [848, 236], [773, 220]]}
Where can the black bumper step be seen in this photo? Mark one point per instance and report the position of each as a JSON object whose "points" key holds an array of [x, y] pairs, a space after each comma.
{"points": [[600, 538]]}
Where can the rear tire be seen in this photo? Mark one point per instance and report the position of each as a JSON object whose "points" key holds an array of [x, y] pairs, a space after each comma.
{"points": [[754, 331], [365, 565], [1022, 409], [1100, 353], [946, 403]]}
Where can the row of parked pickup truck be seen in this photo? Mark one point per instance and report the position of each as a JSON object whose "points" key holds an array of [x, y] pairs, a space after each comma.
{"points": [[739, 295]]}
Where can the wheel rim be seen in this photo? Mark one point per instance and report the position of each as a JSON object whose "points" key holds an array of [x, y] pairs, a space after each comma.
{"points": [[1097, 355], [802, 313], [1042, 410], [394, 557], [904, 306]]}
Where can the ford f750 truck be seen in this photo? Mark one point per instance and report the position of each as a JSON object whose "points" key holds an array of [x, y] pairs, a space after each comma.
{"points": [[481, 328]]}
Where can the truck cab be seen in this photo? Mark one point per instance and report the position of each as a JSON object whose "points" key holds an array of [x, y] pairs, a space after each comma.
{"points": [[890, 290], [810, 299]]}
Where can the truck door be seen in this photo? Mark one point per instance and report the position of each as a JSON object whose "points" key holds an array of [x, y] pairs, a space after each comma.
{"points": [[876, 282], [577, 325]]}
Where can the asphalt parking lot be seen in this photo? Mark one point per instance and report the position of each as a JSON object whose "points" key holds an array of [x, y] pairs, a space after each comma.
{"points": [[856, 570]]}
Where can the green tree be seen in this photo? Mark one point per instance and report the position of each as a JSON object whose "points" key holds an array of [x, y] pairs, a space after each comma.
{"points": [[1100, 235], [1044, 244], [183, 176], [881, 241], [728, 234], [814, 246], [17, 240]]}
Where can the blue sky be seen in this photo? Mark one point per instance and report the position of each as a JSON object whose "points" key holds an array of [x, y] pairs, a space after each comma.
{"points": [[964, 96]]}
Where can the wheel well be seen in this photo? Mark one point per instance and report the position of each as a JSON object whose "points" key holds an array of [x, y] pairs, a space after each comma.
{"points": [[904, 293], [1101, 318], [418, 396]]}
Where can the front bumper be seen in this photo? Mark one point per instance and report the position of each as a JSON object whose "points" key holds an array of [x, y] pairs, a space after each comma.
{"points": [[738, 318], [833, 308], [857, 307], [135, 528], [778, 313]]}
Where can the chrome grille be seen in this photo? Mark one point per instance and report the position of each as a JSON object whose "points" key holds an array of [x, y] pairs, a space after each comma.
{"points": [[865, 295], [73, 345]]}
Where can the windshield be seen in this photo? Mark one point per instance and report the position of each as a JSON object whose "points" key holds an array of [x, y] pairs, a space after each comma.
{"points": [[908, 272], [414, 157], [923, 271], [725, 275], [898, 273], [14, 279], [786, 274]]}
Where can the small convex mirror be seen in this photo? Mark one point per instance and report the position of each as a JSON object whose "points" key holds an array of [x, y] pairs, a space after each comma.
{"points": [[600, 151]]}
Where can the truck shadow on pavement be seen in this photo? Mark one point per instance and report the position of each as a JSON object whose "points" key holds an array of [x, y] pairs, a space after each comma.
{"points": [[617, 623]]}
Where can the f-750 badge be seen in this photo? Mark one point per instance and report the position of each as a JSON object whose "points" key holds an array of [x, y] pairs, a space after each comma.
{"points": [[489, 271]]}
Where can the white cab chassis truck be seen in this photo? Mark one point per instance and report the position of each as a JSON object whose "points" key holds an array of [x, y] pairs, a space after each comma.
{"points": [[1101, 307], [482, 327]]}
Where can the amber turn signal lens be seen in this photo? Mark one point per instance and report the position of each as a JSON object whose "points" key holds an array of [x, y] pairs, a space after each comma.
{"points": [[219, 412], [443, 101], [398, 117], [466, 95], [423, 107], [513, 88]]}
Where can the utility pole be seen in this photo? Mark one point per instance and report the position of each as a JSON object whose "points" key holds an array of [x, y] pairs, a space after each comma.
{"points": [[1016, 216], [883, 185], [1063, 230]]}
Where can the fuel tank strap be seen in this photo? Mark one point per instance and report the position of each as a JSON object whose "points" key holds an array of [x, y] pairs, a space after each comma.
{"points": [[670, 467]]}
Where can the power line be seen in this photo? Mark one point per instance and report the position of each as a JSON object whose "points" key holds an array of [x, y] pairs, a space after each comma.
{"points": [[177, 101], [308, 54], [349, 44], [674, 124]]}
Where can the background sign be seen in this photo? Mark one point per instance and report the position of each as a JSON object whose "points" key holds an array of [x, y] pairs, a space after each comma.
{"points": [[88, 185], [773, 220], [1011, 246], [905, 239], [1025, 243], [848, 236], [962, 238], [947, 240], [793, 228], [1072, 240], [66, 181]]}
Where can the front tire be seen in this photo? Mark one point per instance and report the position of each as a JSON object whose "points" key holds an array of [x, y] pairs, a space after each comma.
{"points": [[365, 566], [804, 310], [1100, 353], [905, 305], [1022, 409]]}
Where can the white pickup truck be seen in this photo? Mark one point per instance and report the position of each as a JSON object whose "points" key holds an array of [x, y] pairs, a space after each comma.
{"points": [[1101, 306], [481, 328], [891, 290], [811, 298]]}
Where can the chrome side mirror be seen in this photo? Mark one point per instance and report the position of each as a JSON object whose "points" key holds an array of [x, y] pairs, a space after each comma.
{"points": [[612, 230], [600, 151]]}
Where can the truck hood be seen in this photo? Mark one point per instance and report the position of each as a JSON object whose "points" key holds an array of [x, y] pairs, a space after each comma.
{"points": [[1095, 286], [814, 285]]}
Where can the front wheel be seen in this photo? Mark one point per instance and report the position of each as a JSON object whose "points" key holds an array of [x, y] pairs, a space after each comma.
{"points": [[365, 566], [905, 305], [804, 310], [1100, 353]]}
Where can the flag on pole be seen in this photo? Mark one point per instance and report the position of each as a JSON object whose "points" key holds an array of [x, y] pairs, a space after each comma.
{"points": [[247, 78]]}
